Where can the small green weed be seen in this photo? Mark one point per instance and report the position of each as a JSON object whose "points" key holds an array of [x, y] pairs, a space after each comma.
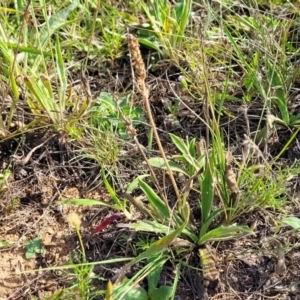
{"points": [[34, 247], [107, 114]]}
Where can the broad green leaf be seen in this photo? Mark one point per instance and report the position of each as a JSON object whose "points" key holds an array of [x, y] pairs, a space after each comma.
{"points": [[33, 247], [224, 233], [154, 276], [56, 21], [107, 100], [84, 202], [158, 162], [156, 227], [134, 292], [135, 183], [162, 293], [155, 201], [150, 44], [292, 221]]}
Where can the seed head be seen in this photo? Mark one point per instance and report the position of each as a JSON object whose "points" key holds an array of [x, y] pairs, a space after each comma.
{"points": [[139, 65], [74, 220]]}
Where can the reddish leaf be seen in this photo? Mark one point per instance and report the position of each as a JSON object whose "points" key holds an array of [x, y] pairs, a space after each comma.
{"points": [[106, 222]]}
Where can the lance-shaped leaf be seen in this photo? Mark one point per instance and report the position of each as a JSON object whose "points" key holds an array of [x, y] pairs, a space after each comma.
{"points": [[156, 227], [210, 218], [158, 162], [207, 190], [157, 204], [225, 233], [292, 221]]}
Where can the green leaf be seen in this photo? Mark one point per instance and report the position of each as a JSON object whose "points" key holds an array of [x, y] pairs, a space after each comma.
{"points": [[84, 202], [134, 184], [183, 12], [158, 162], [209, 219], [108, 101], [111, 191], [224, 233], [156, 227], [292, 221], [135, 292], [190, 162], [282, 106], [29, 50], [33, 247], [159, 246], [152, 45], [44, 100], [153, 277], [60, 67], [192, 147], [162, 293], [56, 21], [6, 243], [155, 201], [207, 193], [179, 143], [156, 249]]}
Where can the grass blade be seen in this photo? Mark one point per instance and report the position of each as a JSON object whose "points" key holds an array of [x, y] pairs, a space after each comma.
{"points": [[207, 194], [111, 191]]}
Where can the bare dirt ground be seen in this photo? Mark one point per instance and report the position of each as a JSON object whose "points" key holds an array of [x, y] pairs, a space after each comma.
{"points": [[250, 267]]}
